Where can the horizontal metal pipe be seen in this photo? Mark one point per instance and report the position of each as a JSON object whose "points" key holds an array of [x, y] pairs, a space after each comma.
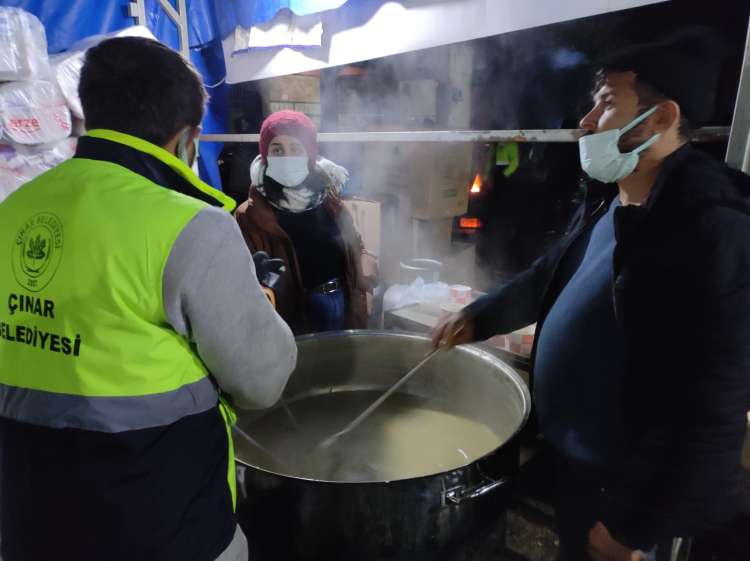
{"points": [[706, 134]]}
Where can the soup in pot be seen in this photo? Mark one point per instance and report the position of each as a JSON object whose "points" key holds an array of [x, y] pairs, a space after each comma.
{"points": [[404, 438]]}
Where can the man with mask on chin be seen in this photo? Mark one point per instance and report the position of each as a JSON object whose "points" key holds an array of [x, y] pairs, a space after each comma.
{"points": [[124, 344], [641, 360]]}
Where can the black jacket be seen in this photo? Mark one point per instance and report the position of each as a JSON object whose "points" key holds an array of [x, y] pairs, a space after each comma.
{"points": [[681, 292]]}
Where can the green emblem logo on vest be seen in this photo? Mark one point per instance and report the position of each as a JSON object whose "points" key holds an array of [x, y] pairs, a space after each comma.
{"points": [[37, 250]]}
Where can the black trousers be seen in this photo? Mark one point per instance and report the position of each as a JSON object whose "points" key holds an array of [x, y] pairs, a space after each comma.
{"points": [[582, 501]]}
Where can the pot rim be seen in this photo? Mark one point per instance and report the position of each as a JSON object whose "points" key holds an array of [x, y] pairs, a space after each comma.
{"points": [[471, 348]]}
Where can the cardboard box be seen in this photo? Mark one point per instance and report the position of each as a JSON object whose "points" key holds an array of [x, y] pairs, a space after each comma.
{"points": [[294, 88], [367, 220], [296, 92], [440, 180], [383, 169], [436, 176], [419, 101]]}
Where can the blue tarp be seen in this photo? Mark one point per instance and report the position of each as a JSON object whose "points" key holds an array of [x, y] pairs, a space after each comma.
{"points": [[245, 13], [68, 21], [265, 10]]}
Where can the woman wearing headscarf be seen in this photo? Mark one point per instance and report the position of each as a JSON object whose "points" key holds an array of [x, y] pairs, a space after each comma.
{"points": [[294, 213]]}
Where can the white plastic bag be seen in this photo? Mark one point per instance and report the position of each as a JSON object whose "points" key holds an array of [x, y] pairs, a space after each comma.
{"points": [[67, 70], [67, 66], [23, 55], [34, 112], [430, 296], [93, 40], [20, 164]]}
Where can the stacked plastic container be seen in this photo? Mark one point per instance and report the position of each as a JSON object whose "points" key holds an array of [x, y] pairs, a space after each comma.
{"points": [[67, 66], [35, 122], [40, 111]]}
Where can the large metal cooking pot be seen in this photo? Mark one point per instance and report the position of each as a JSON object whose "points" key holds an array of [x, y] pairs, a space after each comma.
{"points": [[428, 269], [430, 516]]}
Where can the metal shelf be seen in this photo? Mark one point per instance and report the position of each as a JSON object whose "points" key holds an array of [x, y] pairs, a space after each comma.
{"points": [[178, 14]]}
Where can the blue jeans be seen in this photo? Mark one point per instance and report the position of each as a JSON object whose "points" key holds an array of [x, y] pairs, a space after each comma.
{"points": [[326, 311]]}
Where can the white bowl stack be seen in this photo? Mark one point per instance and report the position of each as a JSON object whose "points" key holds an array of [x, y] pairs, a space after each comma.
{"points": [[35, 121], [40, 111]]}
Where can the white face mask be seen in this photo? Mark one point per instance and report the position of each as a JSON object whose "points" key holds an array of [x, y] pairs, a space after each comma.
{"points": [[182, 149], [290, 171], [601, 158]]}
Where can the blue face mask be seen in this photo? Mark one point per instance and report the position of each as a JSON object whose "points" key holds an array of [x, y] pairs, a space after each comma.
{"points": [[600, 155]]}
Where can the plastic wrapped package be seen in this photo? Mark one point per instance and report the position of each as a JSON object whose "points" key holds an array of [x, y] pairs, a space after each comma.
{"points": [[92, 40], [79, 127], [34, 112], [19, 164], [67, 66], [67, 70], [23, 55], [429, 296]]}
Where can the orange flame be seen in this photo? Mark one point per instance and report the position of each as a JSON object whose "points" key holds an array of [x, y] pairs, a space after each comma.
{"points": [[476, 187], [468, 223]]}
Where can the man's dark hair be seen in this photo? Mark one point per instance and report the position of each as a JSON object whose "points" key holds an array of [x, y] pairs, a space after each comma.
{"points": [[648, 96], [140, 87], [683, 67]]}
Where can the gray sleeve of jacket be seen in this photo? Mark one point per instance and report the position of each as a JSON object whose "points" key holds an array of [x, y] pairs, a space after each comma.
{"points": [[213, 298]]}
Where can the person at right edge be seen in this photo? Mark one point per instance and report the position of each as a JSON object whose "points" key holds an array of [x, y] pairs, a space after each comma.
{"points": [[641, 360]]}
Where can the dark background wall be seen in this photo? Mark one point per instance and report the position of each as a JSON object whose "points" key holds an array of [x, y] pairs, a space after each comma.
{"points": [[535, 78]]}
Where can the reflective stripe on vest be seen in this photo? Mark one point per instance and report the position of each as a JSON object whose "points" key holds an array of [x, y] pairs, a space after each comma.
{"points": [[106, 414]]}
